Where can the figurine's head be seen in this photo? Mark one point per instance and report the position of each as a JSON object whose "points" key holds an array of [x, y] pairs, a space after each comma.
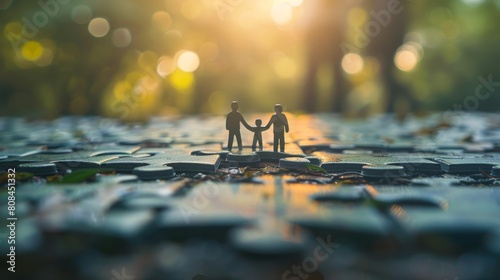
{"points": [[234, 105], [258, 122], [278, 108]]}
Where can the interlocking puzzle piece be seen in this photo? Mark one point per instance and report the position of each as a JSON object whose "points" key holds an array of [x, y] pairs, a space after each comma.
{"points": [[313, 160], [38, 168], [469, 164], [155, 196], [158, 189], [386, 171], [244, 156], [154, 172], [74, 160], [160, 142], [182, 224], [216, 147], [411, 162], [322, 144], [107, 149], [115, 232], [180, 160], [385, 200], [291, 150], [294, 163], [19, 151], [270, 241], [361, 227], [454, 234], [132, 202]]}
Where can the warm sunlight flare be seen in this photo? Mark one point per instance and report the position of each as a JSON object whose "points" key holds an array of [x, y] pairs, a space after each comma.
{"points": [[352, 63], [282, 13], [318, 55], [406, 60], [188, 61]]}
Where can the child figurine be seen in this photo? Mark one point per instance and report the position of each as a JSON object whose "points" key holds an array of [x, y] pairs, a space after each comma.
{"points": [[257, 136]]}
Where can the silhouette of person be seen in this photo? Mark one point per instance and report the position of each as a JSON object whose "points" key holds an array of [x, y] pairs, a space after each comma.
{"points": [[257, 136], [233, 120], [280, 123]]}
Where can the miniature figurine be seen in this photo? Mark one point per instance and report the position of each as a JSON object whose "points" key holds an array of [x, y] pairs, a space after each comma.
{"points": [[280, 123], [233, 120], [257, 136]]}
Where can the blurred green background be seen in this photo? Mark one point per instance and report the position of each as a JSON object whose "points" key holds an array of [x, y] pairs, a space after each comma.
{"points": [[132, 59]]}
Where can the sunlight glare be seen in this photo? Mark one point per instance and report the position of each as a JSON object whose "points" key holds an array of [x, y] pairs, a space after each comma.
{"points": [[281, 13], [188, 61], [352, 63], [405, 60]]}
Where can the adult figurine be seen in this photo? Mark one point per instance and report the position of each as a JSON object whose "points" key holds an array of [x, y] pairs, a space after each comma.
{"points": [[280, 123], [233, 120]]}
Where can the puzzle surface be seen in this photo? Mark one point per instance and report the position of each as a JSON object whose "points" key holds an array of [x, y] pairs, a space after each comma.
{"points": [[377, 199]]}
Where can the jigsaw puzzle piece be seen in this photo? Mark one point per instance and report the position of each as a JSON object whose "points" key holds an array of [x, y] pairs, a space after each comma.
{"points": [[74, 160], [184, 223], [291, 150], [359, 227], [469, 164], [38, 168], [154, 172], [115, 232], [19, 151], [245, 156], [342, 162], [179, 160], [270, 241], [294, 163]]}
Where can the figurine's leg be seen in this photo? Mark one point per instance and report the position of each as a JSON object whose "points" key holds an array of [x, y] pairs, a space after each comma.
{"points": [[238, 139], [254, 143], [260, 143], [282, 142], [275, 143], [230, 141]]}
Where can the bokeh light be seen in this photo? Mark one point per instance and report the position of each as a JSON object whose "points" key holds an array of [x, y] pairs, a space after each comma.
{"points": [[122, 37], [99, 27], [32, 51], [166, 65], [352, 63], [161, 21], [406, 60], [188, 61], [179, 53], [181, 81]]}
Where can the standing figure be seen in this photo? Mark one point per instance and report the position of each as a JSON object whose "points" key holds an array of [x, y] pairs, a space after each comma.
{"points": [[233, 120], [280, 127], [257, 136]]}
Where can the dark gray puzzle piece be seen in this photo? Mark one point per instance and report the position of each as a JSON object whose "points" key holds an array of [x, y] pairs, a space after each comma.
{"points": [[411, 162], [75, 160], [180, 160], [469, 164]]}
